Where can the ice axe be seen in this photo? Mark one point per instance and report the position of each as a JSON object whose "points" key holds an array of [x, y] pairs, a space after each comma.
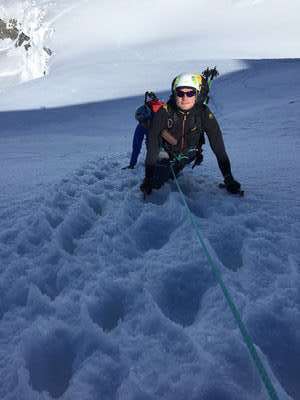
{"points": [[151, 96], [210, 74]]}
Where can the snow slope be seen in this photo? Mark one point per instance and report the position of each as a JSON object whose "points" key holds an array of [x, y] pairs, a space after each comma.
{"points": [[106, 296]]}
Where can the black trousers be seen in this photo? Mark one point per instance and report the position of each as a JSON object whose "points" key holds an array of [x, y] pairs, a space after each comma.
{"points": [[163, 171]]}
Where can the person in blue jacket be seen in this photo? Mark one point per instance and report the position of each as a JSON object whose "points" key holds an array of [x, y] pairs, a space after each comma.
{"points": [[141, 132], [143, 115]]}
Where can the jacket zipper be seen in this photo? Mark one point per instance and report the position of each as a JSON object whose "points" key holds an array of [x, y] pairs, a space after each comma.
{"points": [[183, 128]]}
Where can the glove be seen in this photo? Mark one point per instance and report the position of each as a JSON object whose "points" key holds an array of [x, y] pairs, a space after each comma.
{"points": [[130, 166], [231, 184], [198, 159]]}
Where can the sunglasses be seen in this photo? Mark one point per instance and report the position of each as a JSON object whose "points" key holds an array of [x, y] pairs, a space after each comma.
{"points": [[181, 94]]}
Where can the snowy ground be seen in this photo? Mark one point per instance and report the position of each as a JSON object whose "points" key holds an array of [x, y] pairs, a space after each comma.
{"points": [[105, 296]]}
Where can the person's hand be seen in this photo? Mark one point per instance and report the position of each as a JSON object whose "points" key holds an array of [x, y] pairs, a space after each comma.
{"points": [[130, 166], [146, 186], [232, 185], [198, 160]]}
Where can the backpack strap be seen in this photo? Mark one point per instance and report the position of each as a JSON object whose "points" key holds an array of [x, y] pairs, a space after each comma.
{"points": [[200, 123], [172, 116]]}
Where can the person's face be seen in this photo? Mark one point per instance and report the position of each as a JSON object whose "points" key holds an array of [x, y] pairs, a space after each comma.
{"points": [[185, 98]]}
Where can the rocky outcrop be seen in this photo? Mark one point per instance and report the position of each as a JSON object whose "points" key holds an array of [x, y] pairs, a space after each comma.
{"points": [[33, 61], [21, 39], [10, 31]]}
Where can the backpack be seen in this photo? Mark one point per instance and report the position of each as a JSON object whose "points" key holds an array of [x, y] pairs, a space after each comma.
{"points": [[151, 105]]}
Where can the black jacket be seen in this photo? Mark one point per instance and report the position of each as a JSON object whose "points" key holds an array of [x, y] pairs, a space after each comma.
{"points": [[188, 129]]}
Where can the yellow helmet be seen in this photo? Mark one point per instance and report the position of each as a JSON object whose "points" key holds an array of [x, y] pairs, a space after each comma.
{"points": [[194, 81]]}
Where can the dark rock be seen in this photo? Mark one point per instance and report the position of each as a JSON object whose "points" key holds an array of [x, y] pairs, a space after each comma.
{"points": [[10, 30], [21, 39]]}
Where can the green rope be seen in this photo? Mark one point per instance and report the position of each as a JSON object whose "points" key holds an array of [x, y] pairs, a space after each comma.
{"points": [[217, 274], [180, 157]]}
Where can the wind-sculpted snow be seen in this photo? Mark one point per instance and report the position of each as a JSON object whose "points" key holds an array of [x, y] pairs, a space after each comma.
{"points": [[106, 296]]}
